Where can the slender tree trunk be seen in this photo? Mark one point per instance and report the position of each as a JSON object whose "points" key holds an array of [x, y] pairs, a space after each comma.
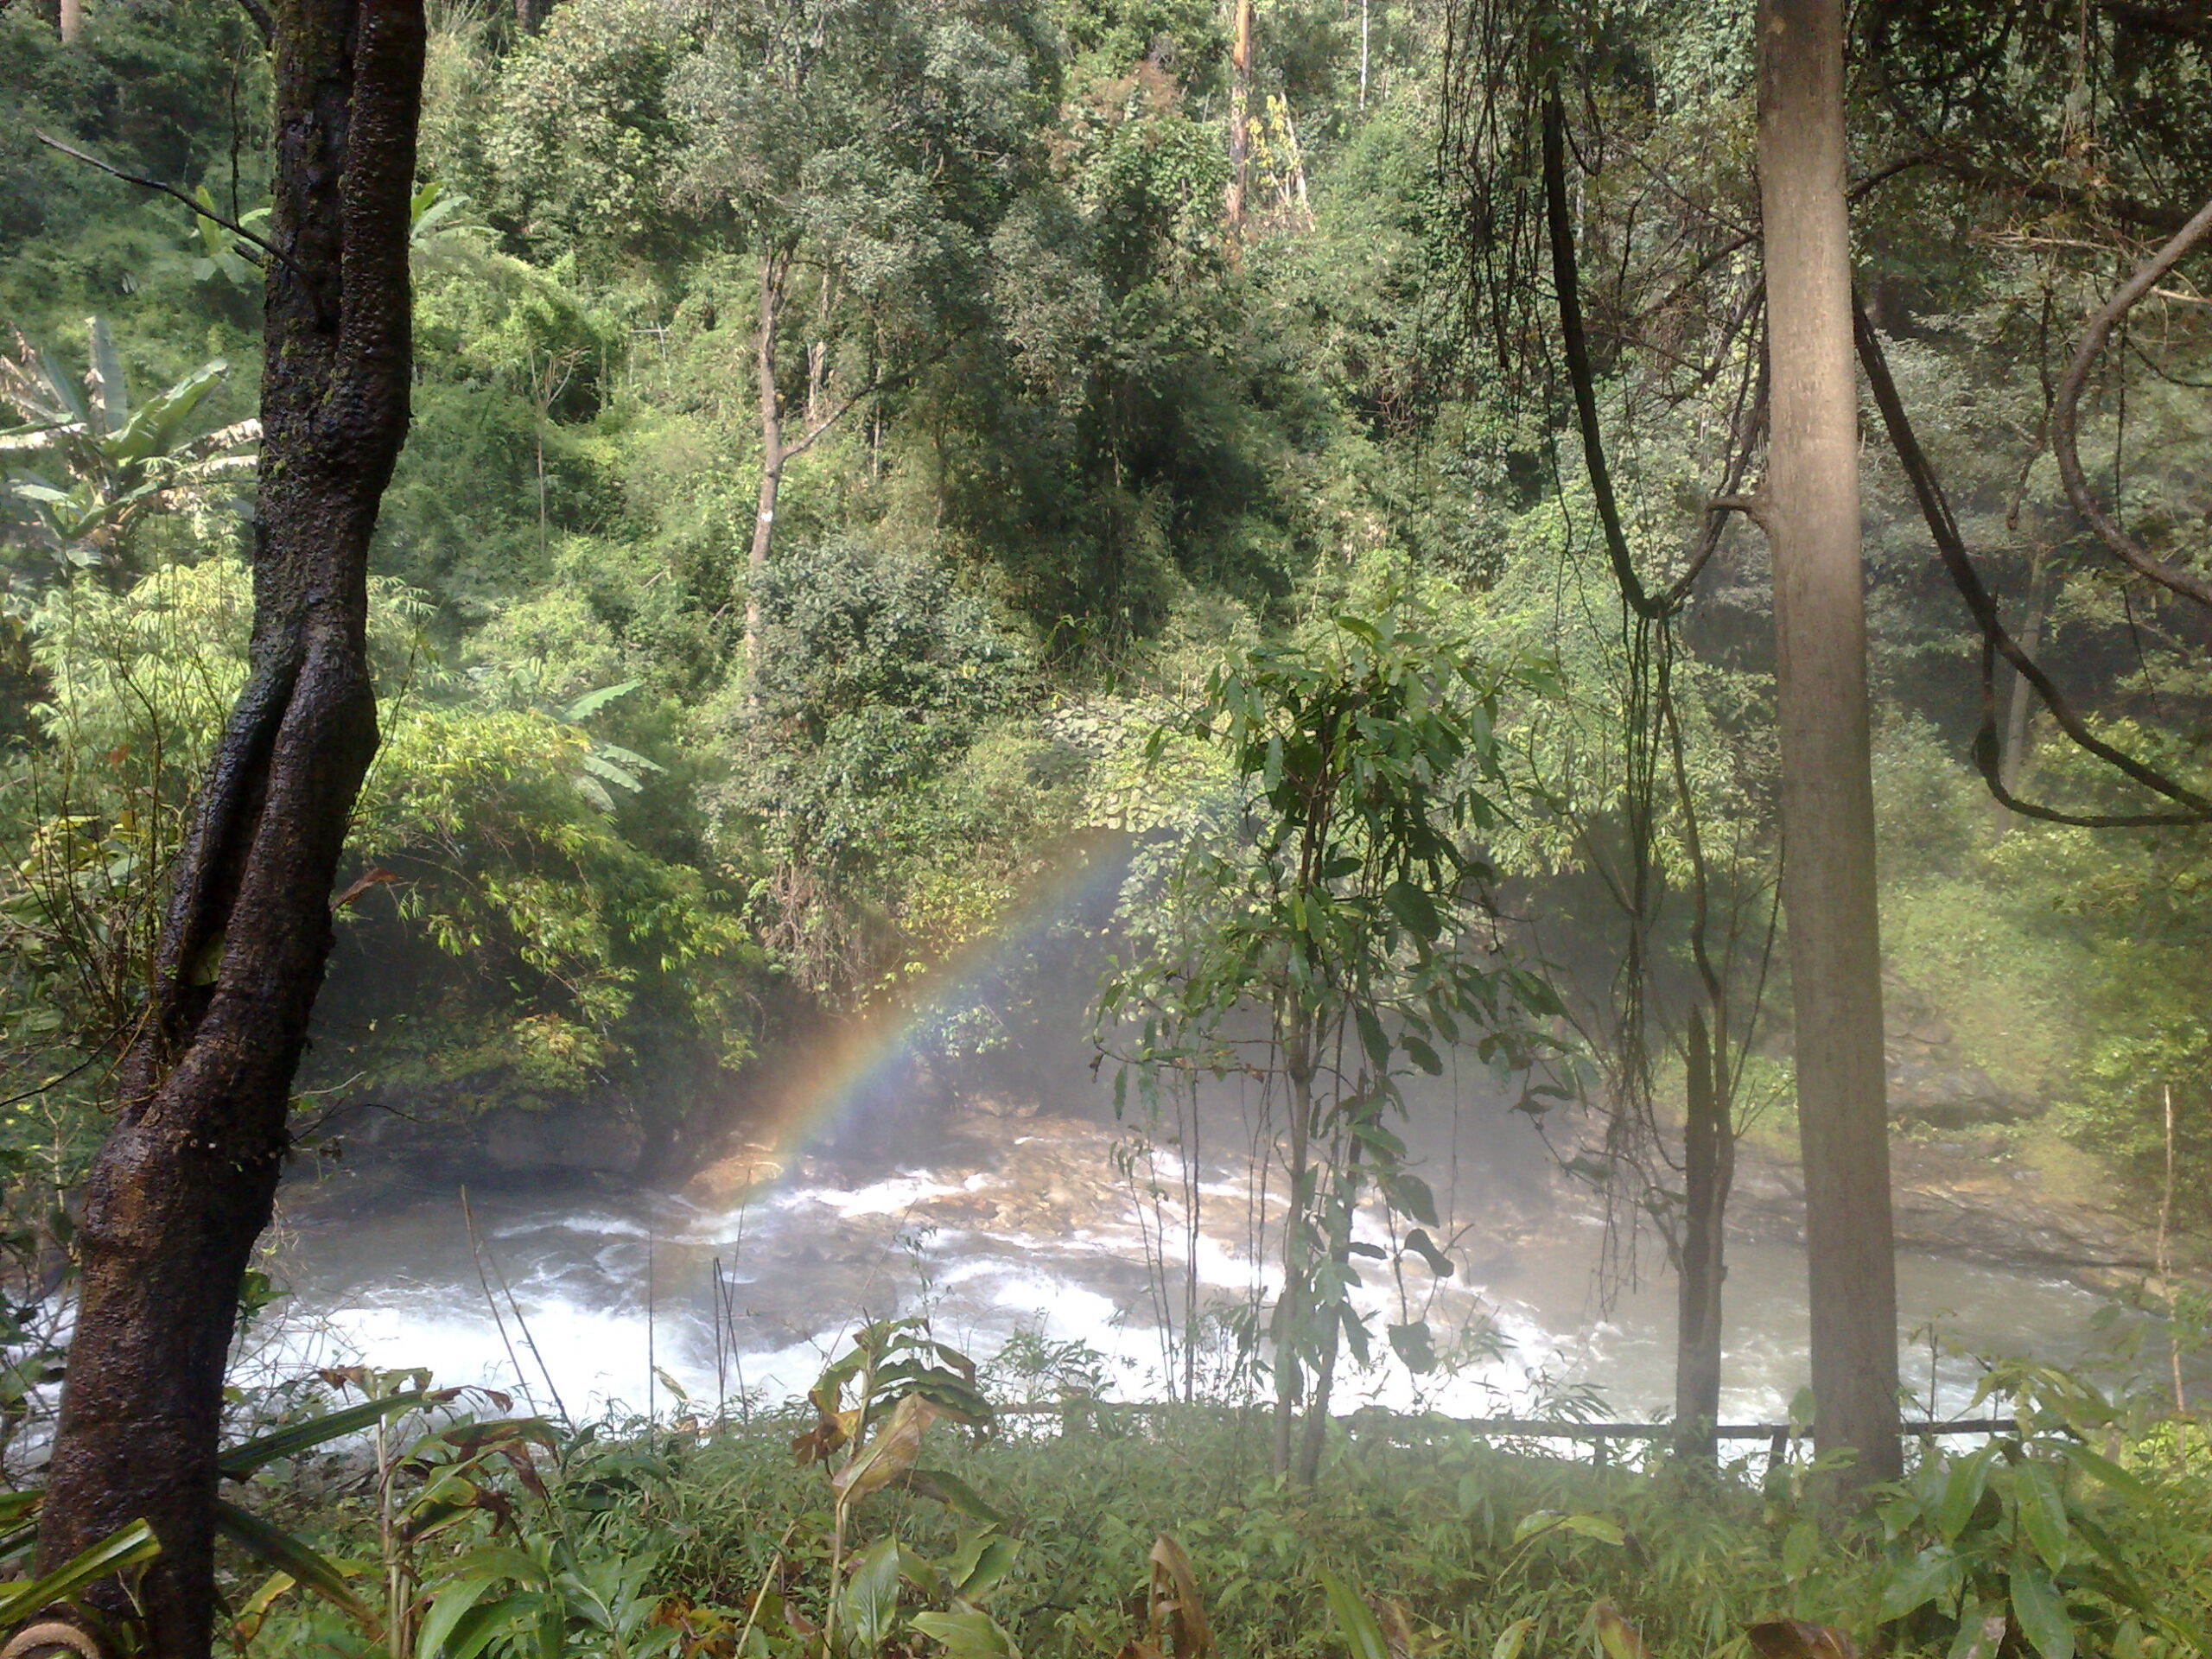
{"points": [[1294, 1306], [1240, 102], [2015, 754], [775, 267], [1811, 514], [1709, 1171], [184, 1185], [1363, 25], [73, 21], [1315, 1437]]}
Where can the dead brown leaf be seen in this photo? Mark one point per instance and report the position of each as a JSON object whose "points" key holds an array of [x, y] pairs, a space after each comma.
{"points": [[890, 1454], [1175, 1602], [369, 878], [1792, 1638], [1616, 1635]]}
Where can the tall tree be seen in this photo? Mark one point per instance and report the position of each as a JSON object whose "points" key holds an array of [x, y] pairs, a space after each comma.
{"points": [[861, 150], [1240, 115], [185, 1181], [1810, 514]]}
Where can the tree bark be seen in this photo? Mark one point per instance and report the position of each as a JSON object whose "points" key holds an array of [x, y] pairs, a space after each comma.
{"points": [[1240, 100], [2013, 759], [184, 1185], [775, 268], [1812, 518], [1708, 1172], [1293, 1307], [71, 21], [1314, 1438]]}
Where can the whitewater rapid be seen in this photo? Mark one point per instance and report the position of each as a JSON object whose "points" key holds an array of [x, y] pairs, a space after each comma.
{"points": [[606, 1303]]}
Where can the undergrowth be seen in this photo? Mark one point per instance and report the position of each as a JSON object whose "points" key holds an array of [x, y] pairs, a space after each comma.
{"points": [[896, 1516]]}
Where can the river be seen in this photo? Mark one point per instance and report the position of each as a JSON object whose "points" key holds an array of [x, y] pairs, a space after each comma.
{"points": [[1018, 1225]]}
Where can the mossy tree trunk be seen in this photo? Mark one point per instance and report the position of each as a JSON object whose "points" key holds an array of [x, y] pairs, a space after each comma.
{"points": [[185, 1183]]}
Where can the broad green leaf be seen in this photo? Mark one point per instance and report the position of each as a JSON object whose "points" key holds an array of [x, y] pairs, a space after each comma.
{"points": [[1798, 1548], [1422, 1245], [1961, 1492], [592, 702], [1618, 1638], [111, 397], [1415, 909], [452, 1605], [1586, 1525], [992, 1563], [967, 1634], [1409, 1195], [1934, 1573], [1372, 1037], [2042, 1614], [2104, 1469], [2042, 1512], [1413, 1343], [1512, 1639], [1356, 1620], [871, 1597], [622, 777]]}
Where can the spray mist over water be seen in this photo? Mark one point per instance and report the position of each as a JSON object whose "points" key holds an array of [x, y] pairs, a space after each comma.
{"points": [[864, 1190]]}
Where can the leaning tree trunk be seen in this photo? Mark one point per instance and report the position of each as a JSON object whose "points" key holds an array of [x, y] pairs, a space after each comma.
{"points": [[185, 1183], [1811, 516]]}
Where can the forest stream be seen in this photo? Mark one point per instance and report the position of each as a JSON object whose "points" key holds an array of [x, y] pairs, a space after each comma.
{"points": [[1012, 1223]]}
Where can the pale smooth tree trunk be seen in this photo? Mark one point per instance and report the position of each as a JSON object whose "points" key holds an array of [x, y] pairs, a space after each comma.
{"points": [[185, 1182], [775, 269], [1294, 1308], [1240, 106], [73, 21], [1812, 520]]}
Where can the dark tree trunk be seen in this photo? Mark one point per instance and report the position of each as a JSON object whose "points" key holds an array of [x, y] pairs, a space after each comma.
{"points": [[2013, 757], [1811, 517], [1709, 1171], [185, 1182]]}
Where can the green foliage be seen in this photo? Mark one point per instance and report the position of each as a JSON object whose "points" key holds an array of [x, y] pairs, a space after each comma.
{"points": [[878, 676], [700, 1538], [91, 465], [1337, 890]]}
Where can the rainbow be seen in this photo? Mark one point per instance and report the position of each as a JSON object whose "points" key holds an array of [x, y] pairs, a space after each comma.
{"points": [[805, 1102]]}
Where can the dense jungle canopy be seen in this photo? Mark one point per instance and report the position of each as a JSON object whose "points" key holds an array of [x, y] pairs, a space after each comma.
{"points": [[1215, 540]]}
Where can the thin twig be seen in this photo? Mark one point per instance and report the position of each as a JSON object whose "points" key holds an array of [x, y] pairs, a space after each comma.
{"points": [[199, 207]]}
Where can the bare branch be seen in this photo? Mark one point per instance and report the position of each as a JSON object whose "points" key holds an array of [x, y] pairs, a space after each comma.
{"points": [[1996, 642], [2130, 552], [199, 207]]}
